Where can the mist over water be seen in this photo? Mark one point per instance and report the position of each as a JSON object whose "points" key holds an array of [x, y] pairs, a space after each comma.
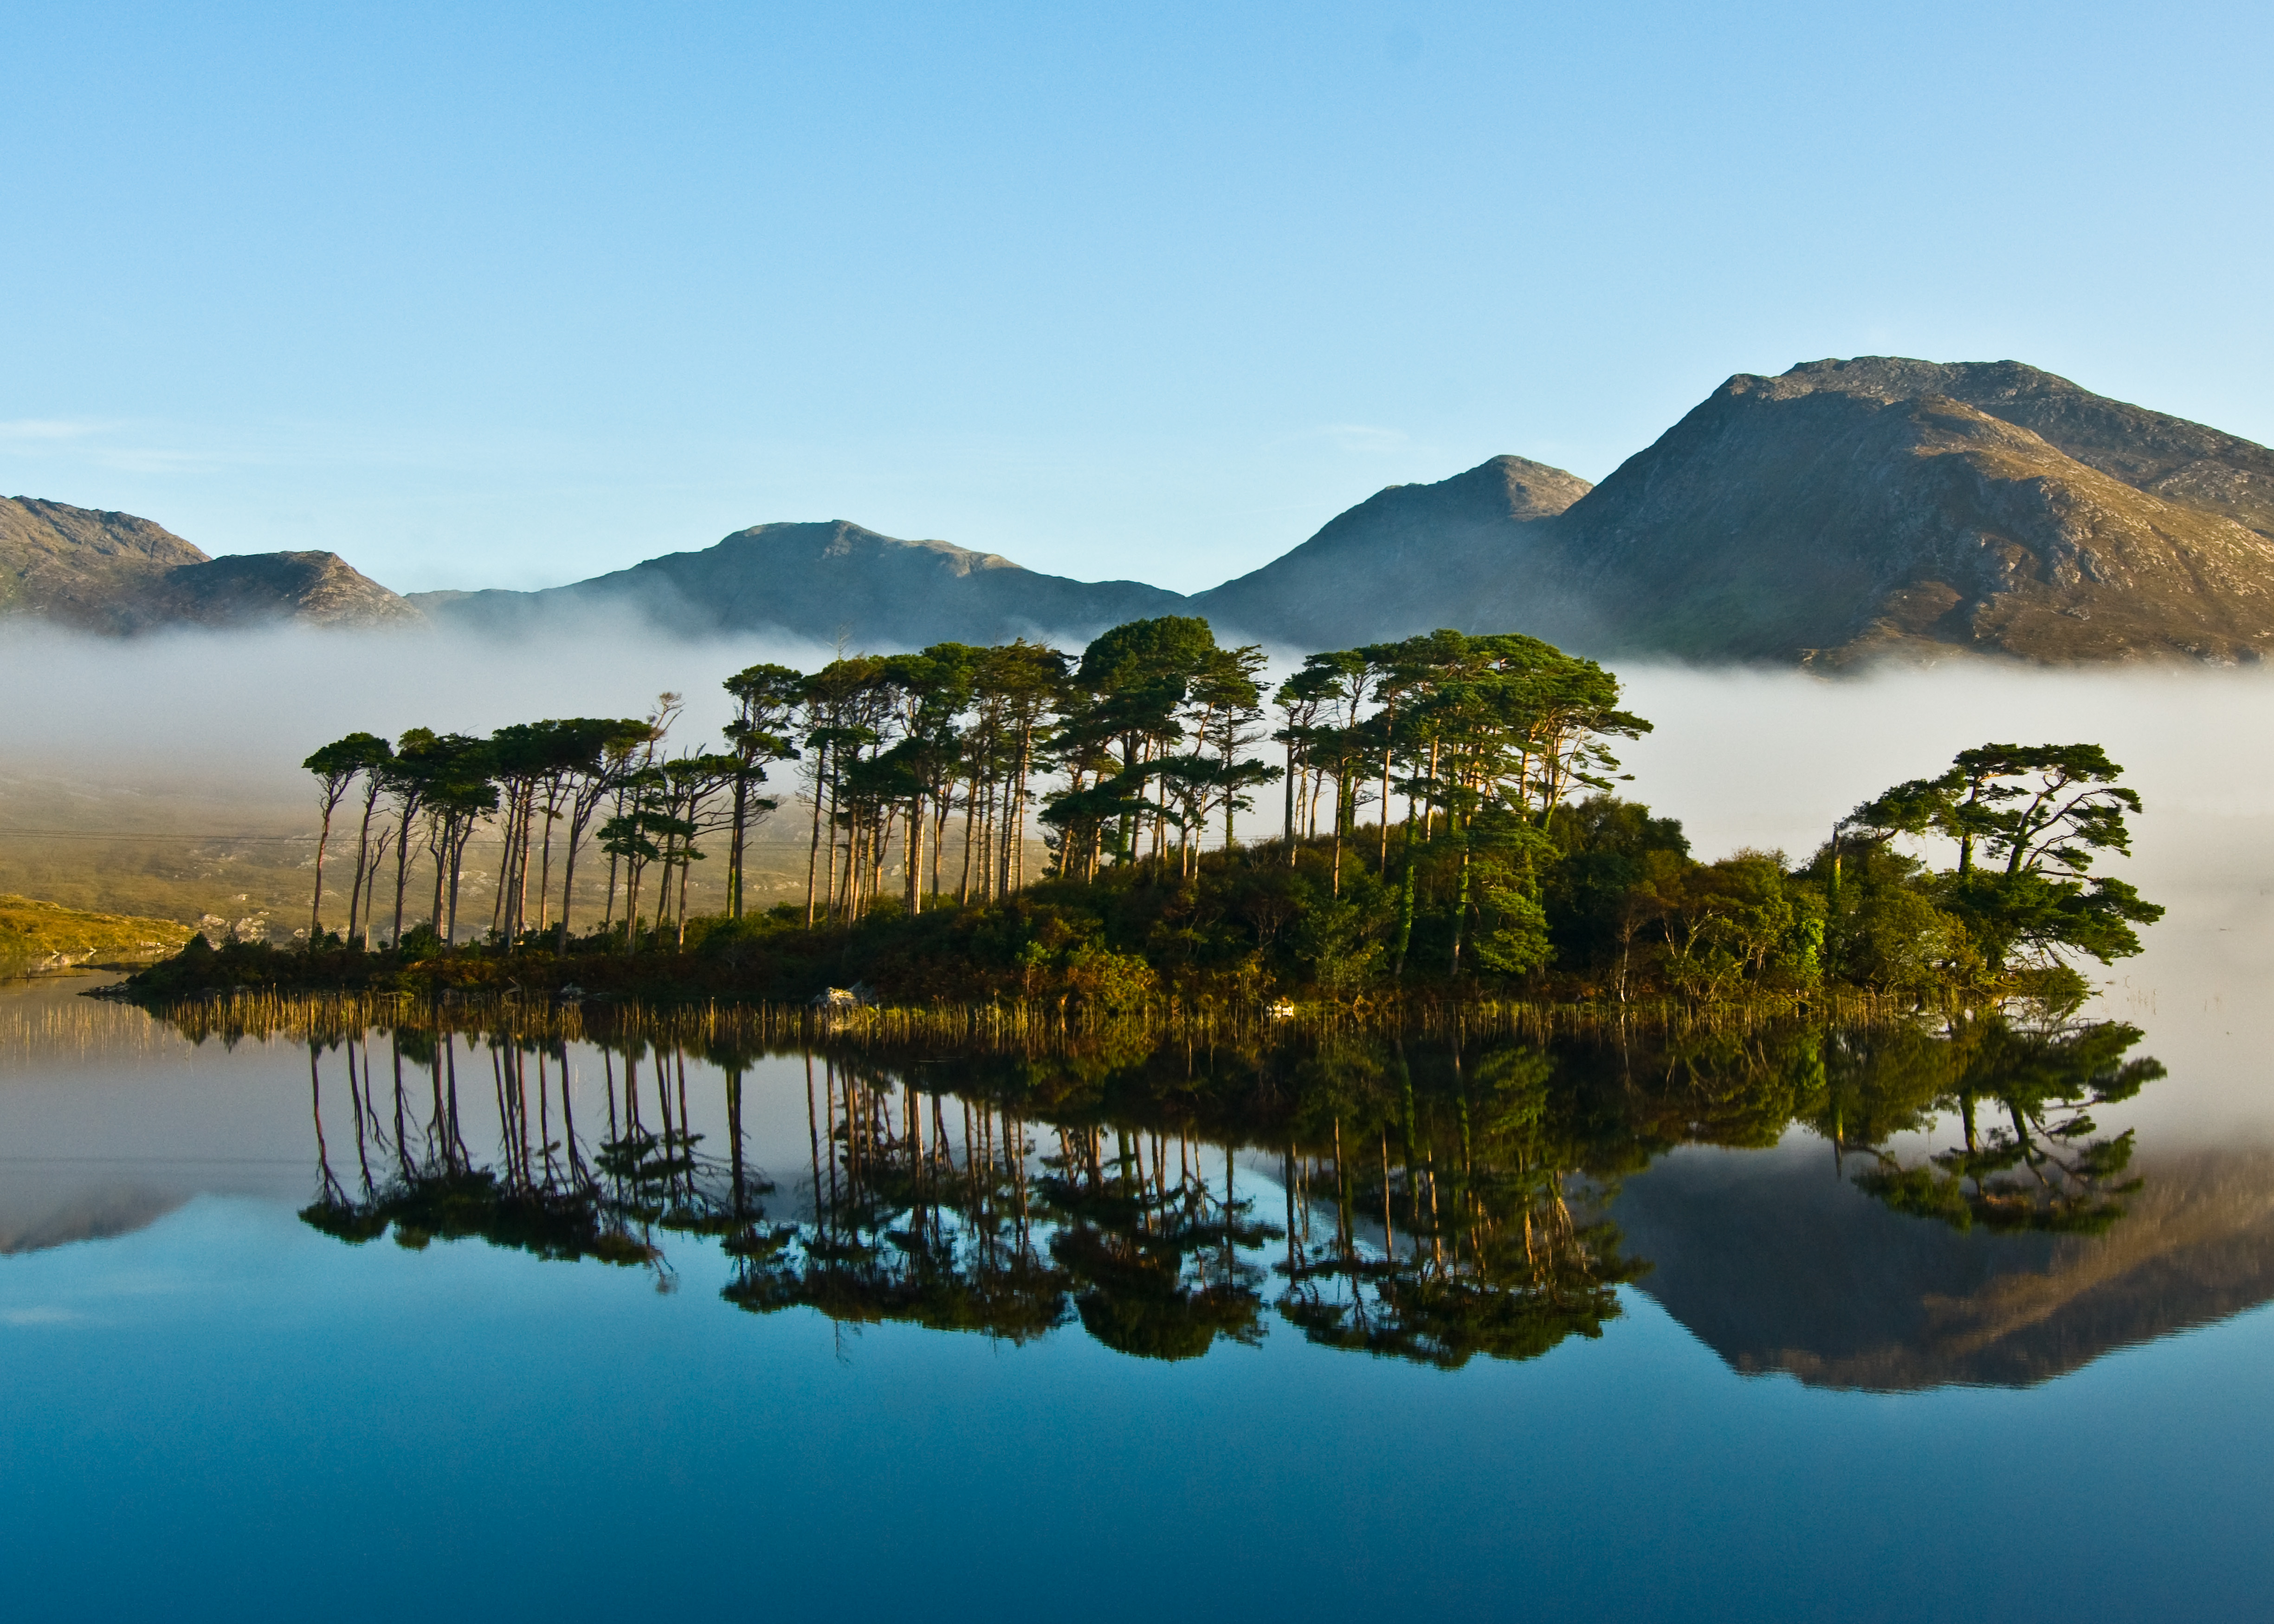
{"points": [[1755, 758], [238, 711], [1744, 757], [191, 1290], [1773, 759], [1764, 759]]}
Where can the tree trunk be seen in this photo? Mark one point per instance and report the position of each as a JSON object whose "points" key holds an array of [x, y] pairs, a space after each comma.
{"points": [[836, 772], [568, 879], [943, 796], [734, 845], [402, 869], [370, 887], [545, 860], [970, 835], [685, 865], [1381, 813], [499, 922], [439, 845], [1405, 909], [813, 853], [457, 867], [1289, 829], [914, 888], [1012, 792], [1429, 801], [521, 868], [1461, 911], [323, 838], [363, 851]]}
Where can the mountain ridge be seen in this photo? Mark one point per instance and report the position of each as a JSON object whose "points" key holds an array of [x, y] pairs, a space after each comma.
{"points": [[821, 578], [1845, 511], [98, 570], [1442, 543], [1836, 514]]}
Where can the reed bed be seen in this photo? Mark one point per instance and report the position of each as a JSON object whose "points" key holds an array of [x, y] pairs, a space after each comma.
{"points": [[81, 1029], [1029, 1027]]}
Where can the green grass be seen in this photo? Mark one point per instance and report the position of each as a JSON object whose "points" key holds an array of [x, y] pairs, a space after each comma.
{"points": [[33, 933]]}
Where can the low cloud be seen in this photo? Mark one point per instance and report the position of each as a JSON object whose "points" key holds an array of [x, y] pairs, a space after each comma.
{"points": [[233, 714]]}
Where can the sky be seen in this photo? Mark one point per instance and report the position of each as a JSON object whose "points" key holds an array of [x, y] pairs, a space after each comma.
{"points": [[511, 296]]}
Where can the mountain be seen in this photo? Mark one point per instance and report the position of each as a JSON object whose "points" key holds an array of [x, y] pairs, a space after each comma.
{"points": [[822, 581], [1409, 558], [2163, 455], [1838, 512], [1845, 510], [112, 572]]}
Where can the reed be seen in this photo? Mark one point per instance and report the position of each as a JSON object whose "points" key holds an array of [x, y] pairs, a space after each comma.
{"points": [[1037, 1027], [37, 1029]]}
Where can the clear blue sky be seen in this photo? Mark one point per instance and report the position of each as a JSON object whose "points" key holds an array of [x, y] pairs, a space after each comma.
{"points": [[509, 295]]}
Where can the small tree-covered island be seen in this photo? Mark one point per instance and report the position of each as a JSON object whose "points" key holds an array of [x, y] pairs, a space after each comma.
{"points": [[1016, 823]]}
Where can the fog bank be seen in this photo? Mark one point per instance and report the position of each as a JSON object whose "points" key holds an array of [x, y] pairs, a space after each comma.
{"points": [[236, 712], [1773, 759], [1743, 758]]}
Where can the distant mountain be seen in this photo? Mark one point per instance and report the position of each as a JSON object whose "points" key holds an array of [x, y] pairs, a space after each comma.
{"points": [[1843, 511], [112, 572], [1409, 558], [822, 581], [1851, 510], [2163, 455], [1840, 512]]}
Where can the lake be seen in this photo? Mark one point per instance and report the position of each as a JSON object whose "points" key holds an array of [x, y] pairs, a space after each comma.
{"points": [[1691, 1325], [484, 1312]]}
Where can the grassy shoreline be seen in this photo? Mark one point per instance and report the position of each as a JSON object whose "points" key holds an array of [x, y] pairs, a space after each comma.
{"points": [[532, 1013], [46, 936]]}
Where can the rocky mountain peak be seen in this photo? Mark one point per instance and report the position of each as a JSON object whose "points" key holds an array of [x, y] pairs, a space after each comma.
{"points": [[55, 529], [113, 572]]}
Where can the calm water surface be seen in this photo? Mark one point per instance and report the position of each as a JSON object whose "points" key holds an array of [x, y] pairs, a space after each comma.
{"points": [[461, 1318]]}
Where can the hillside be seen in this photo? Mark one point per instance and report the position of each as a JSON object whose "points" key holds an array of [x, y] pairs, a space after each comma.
{"points": [[114, 573], [1844, 511], [2163, 455], [1841, 511], [1412, 556], [42, 933], [82, 566]]}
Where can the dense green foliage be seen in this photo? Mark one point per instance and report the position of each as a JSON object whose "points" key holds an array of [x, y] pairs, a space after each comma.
{"points": [[1448, 827]]}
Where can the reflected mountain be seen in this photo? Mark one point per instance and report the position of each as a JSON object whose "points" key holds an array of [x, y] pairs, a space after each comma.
{"points": [[1893, 1205], [1780, 1263], [33, 1218]]}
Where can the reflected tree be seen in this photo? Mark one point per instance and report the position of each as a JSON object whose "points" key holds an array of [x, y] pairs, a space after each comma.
{"points": [[1445, 1200], [2032, 1156], [1483, 1248]]}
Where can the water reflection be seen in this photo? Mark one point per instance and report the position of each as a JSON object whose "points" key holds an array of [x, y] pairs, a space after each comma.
{"points": [[1432, 1198], [549, 1190], [2031, 1155], [957, 1213]]}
